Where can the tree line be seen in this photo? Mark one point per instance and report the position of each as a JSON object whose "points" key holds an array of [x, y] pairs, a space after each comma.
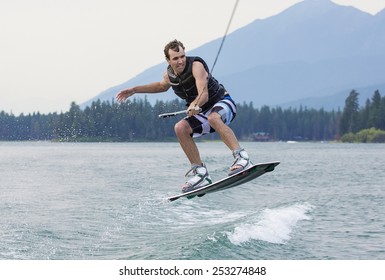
{"points": [[365, 124], [137, 120]]}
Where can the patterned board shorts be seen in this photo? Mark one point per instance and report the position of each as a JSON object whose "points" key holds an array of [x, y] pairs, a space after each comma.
{"points": [[199, 123]]}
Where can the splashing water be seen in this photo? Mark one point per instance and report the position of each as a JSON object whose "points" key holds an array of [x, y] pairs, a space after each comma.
{"points": [[273, 225]]}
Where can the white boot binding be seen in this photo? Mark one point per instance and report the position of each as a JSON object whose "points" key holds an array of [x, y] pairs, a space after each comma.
{"points": [[241, 162], [200, 178]]}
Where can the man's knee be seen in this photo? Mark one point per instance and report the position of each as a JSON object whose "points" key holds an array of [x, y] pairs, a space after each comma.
{"points": [[182, 128], [214, 118]]}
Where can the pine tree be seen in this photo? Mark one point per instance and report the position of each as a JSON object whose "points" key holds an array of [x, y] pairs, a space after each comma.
{"points": [[349, 118]]}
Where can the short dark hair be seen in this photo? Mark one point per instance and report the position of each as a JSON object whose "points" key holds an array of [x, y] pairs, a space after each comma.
{"points": [[173, 45]]}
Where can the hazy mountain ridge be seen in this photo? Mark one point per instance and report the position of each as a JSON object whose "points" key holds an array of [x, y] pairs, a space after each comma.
{"points": [[312, 50]]}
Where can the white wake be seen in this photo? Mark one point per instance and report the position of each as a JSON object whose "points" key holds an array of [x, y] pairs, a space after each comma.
{"points": [[272, 225]]}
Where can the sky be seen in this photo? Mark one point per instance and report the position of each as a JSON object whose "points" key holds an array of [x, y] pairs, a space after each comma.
{"points": [[54, 52]]}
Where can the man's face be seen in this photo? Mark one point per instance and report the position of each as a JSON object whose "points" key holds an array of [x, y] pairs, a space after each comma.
{"points": [[177, 60]]}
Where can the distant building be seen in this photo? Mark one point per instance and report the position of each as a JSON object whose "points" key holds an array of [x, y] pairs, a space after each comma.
{"points": [[260, 136]]}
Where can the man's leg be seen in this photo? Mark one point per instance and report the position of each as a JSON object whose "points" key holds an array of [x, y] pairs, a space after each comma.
{"points": [[225, 132], [198, 174], [183, 131], [231, 141]]}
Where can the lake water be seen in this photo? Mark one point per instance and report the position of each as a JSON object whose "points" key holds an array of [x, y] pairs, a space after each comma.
{"points": [[108, 201]]}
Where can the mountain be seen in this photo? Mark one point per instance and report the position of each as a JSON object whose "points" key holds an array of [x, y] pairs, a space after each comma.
{"points": [[310, 51], [336, 101]]}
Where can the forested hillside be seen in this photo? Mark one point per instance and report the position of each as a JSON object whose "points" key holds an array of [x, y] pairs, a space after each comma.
{"points": [[137, 120]]}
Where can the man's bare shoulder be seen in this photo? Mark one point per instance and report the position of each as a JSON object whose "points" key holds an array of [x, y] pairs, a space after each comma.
{"points": [[165, 82], [199, 70]]}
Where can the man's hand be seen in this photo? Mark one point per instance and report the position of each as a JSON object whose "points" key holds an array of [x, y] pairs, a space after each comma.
{"points": [[124, 94], [193, 110]]}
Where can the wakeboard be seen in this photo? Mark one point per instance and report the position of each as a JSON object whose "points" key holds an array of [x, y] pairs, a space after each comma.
{"points": [[234, 180]]}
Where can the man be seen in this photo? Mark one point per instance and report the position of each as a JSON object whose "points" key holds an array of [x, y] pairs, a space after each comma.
{"points": [[210, 109]]}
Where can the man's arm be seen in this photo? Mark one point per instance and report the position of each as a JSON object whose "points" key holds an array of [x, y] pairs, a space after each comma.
{"points": [[200, 74], [155, 87]]}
